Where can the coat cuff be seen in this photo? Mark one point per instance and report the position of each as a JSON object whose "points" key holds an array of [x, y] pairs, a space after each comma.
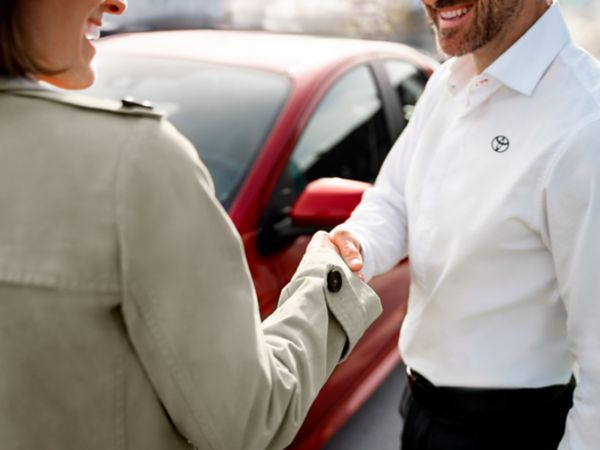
{"points": [[352, 302]]}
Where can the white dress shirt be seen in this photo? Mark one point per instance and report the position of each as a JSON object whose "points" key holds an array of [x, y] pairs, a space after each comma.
{"points": [[494, 192]]}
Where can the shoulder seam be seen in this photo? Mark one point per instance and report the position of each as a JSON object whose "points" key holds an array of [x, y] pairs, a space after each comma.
{"points": [[594, 117], [554, 160], [570, 63], [109, 106]]}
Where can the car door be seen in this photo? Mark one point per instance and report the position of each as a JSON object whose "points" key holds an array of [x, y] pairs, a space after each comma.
{"points": [[344, 137], [348, 136]]}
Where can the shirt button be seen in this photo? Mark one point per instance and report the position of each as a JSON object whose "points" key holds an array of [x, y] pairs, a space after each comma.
{"points": [[334, 281]]}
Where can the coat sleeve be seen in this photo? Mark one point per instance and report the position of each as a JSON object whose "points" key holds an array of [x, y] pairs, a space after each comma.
{"points": [[227, 380], [572, 193]]}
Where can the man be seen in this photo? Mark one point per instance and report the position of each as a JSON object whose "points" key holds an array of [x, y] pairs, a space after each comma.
{"points": [[493, 193]]}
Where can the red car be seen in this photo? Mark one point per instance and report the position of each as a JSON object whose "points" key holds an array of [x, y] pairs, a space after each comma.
{"points": [[292, 128]]}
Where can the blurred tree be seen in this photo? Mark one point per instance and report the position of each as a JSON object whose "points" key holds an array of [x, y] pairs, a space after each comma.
{"points": [[583, 17], [393, 20]]}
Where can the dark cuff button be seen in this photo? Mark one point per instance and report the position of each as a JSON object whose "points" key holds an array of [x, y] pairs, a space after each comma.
{"points": [[334, 281]]}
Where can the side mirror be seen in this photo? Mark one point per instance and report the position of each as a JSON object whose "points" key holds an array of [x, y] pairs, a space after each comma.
{"points": [[327, 202], [322, 204]]}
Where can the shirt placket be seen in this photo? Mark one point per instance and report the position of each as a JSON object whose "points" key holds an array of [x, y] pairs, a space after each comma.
{"points": [[479, 90], [451, 141], [432, 194]]}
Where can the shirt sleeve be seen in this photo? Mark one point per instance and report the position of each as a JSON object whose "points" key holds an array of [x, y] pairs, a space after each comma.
{"points": [[379, 222], [572, 197], [226, 380]]}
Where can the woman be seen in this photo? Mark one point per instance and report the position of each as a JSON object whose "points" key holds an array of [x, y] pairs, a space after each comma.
{"points": [[127, 313]]}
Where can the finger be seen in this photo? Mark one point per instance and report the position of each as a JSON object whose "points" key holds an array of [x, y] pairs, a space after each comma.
{"points": [[351, 255], [349, 249]]}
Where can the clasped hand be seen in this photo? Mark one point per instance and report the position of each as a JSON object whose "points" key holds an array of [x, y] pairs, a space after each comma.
{"points": [[344, 243]]}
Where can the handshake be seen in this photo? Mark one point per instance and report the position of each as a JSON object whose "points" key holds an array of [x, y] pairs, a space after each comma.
{"points": [[344, 243]]}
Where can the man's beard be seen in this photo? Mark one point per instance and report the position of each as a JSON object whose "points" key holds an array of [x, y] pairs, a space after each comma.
{"points": [[490, 17]]}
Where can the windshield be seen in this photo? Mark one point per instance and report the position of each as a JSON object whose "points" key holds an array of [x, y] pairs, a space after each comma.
{"points": [[227, 112]]}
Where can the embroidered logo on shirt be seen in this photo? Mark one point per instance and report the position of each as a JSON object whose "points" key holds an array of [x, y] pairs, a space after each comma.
{"points": [[500, 144]]}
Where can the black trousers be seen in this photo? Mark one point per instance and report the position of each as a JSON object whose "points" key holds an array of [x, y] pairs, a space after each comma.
{"points": [[466, 419]]}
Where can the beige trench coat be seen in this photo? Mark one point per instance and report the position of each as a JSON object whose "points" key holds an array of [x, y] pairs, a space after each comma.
{"points": [[128, 318]]}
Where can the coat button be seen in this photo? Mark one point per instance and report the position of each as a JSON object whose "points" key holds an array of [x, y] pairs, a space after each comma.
{"points": [[334, 281], [130, 102]]}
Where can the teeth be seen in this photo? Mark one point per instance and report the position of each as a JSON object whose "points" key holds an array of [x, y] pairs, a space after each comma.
{"points": [[93, 32], [447, 15]]}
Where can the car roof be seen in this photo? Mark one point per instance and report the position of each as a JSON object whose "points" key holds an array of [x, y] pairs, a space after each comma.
{"points": [[288, 53]]}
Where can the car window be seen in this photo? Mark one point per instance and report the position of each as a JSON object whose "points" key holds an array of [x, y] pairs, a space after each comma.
{"points": [[408, 82], [344, 138], [345, 133], [227, 112]]}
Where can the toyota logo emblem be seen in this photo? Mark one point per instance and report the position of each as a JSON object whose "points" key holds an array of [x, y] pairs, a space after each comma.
{"points": [[500, 144]]}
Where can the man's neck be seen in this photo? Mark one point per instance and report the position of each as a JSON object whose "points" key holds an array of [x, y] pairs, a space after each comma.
{"points": [[524, 19]]}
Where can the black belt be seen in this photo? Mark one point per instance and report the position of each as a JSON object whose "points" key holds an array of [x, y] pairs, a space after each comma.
{"points": [[474, 400]]}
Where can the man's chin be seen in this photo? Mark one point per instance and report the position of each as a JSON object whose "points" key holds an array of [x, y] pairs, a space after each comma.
{"points": [[450, 47]]}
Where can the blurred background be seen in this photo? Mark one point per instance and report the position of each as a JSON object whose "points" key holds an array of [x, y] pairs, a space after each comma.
{"points": [[395, 20]]}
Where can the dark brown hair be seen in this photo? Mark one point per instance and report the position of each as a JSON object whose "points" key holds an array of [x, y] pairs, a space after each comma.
{"points": [[15, 60]]}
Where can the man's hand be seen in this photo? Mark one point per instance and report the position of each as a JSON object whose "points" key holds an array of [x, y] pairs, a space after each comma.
{"points": [[344, 243], [349, 248]]}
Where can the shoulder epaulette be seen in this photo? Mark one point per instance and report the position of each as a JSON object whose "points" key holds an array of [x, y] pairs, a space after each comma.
{"points": [[126, 106]]}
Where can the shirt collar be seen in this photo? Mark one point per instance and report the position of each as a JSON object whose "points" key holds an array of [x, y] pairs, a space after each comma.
{"points": [[522, 66]]}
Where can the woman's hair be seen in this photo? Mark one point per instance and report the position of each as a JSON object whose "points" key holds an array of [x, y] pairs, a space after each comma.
{"points": [[15, 61]]}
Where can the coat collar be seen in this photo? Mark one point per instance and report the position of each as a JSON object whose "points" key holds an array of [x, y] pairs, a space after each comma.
{"points": [[20, 84]]}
